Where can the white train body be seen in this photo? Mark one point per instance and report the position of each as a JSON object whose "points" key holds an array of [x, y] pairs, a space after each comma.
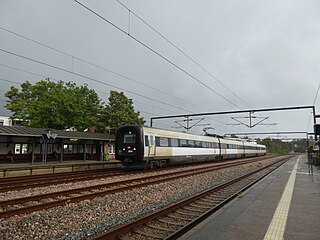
{"points": [[140, 147]]}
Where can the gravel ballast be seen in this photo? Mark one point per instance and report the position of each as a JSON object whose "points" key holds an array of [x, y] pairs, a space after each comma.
{"points": [[87, 218]]}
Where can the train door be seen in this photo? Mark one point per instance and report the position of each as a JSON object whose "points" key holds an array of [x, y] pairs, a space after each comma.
{"points": [[151, 146], [220, 149]]}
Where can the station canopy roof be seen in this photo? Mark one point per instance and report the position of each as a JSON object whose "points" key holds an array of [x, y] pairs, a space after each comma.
{"points": [[21, 131]]}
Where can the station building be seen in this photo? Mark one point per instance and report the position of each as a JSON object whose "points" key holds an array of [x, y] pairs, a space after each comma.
{"points": [[24, 144]]}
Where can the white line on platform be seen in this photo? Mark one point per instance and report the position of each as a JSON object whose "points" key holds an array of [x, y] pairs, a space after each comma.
{"points": [[279, 220], [305, 173]]}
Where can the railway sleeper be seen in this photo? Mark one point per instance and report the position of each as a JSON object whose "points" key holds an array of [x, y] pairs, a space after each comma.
{"points": [[216, 198], [145, 234], [208, 204], [171, 223], [200, 205], [209, 201], [181, 218], [193, 209], [161, 228], [226, 193], [187, 213]]}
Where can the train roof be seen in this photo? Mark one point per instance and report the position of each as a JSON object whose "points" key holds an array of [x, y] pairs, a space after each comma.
{"points": [[210, 136]]}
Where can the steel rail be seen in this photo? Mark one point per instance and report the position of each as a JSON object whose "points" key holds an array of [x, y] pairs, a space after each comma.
{"points": [[54, 180], [129, 184], [44, 175], [48, 180], [143, 221]]}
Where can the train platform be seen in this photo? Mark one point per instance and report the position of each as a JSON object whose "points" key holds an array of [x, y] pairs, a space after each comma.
{"points": [[284, 205], [24, 169]]}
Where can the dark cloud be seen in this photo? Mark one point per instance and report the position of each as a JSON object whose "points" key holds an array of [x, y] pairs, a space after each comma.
{"points": [[266, 52]]}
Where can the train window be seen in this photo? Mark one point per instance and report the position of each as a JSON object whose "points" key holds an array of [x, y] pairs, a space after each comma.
{"points": [[215, 145], [157, 141], [146, 140], [129, 138], [162, 142], [183, 143], [174, 142], [191, 143], [197, 144]]}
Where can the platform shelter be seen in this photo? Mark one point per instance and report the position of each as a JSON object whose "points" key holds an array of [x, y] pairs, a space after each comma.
{"points": [[25, 144]]}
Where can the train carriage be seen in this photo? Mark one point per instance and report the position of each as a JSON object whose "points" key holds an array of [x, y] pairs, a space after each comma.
{"points": [[144, 147]]}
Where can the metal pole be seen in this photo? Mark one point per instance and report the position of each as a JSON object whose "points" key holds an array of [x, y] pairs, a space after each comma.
{"points": [[235, 112], [314, 122], [308, 154], [61, 151], [33, 149], [85, 152], [187, 123]]}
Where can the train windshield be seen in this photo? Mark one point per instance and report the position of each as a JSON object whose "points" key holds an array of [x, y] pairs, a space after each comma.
{"points": [[129, 138]]}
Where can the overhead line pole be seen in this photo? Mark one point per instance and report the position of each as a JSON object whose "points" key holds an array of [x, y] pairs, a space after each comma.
{"points": [[242, 111], [256, 133], [238, 111]]}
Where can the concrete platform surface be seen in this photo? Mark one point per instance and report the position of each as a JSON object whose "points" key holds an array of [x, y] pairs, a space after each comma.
{"points": [[284, 205], [24, 169]]}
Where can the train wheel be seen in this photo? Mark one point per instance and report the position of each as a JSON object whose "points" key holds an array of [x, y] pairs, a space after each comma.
{"points": [[163, 163], [151, 165]]}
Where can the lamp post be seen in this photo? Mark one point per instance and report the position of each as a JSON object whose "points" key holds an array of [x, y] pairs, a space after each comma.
{"points": [[45, 139]]}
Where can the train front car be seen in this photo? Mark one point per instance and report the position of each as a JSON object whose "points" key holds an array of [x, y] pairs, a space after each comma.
{"points": [[129, 146]]}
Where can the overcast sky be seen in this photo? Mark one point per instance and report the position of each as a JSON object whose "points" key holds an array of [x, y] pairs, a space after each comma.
{"points": [[265, 52]]}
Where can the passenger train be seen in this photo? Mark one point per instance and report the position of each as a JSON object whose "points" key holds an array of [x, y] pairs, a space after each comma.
{"points": [[139, 147]]}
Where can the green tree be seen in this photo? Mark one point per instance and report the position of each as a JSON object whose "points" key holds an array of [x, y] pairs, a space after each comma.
{"points": [[120, 111], [59, 105], [278, 146]]}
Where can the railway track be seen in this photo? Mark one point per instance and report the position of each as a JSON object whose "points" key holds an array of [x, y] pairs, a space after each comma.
{"points": [[173, 221], [20, 183], [45, 201]]}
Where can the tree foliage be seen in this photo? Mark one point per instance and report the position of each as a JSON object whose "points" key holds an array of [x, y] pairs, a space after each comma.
{"points": [[278, 146], [120, 111], [59, 105]]}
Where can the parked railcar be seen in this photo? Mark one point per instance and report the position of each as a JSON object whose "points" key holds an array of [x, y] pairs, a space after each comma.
{"points": [[144, 147]]}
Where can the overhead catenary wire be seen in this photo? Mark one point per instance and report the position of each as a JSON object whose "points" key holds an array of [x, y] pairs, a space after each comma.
{"points": [[80, 75], [94, 65], [18, 69], [10, 81], [314, 102], [22, 70], [90, 63], [316, 96], [156, 52], [87, 77], [183, 52]]}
